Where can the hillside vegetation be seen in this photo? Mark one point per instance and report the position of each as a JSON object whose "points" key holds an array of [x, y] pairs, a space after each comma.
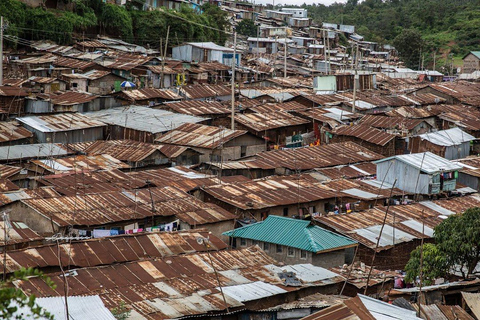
{"points": [[91, 17], [447, 26]]}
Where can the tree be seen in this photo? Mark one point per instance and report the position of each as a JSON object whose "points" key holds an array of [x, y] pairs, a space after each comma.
{"points": [[457, 248], [458, 237], [247, 28], [12, 299], [434, 264], [409, 45]]}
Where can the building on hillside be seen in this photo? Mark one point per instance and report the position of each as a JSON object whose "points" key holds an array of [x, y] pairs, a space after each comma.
{"points": [[422, 173], [44, 85], [296, 12], [295, 241], [93, 81], [205, 52], [450, 144], [12, 101], [471, 62]]}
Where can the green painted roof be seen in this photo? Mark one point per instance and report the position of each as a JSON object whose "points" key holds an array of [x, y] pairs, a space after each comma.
{"points": [[475, 53], [294, 233]]}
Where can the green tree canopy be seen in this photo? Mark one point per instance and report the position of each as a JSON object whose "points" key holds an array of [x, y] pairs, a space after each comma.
{"points": [[409, 45], [247, 28], [434, 264]]}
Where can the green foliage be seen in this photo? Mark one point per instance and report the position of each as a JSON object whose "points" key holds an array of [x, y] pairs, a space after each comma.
{"points": [[452, 25], [409, 45], [122, 312], [128, 23], [11, 298], [457, 248], [458, 237], [247, 28], [434, 264]]}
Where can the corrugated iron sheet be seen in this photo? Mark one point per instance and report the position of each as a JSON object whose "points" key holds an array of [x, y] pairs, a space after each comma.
{"points": [[200, 136], [17, 232], [319, 156], [366, 133], [80, 163], [175, 286], [198, 108], [205, 91], [260, 122], [28, 151], [61, 122], [12, 131], [109, 207], [274, 107], [111, 250], [150, 93], [385, 122], [349, 171], [124, 150], [6, 91], [270, 192]]}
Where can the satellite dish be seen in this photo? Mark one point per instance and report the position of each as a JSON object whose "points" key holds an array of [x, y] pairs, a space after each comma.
{"points": [[200, 240]]}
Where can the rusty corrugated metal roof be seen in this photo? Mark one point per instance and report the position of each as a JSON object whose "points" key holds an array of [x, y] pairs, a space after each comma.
{"points": [[385, 122], [178, 286], [109, 250], [61, 122], [150, 93], [16, 92], [319, 156], [285, 106], [124, 150], [81, 162], [270, 192], [365, 132], [108, 207], [197, 108], [349, 171], [464, 91], [17, 232], [199, 136], [12, 131], [205, 91], [260, 122], [124, 61], [352, 309]]}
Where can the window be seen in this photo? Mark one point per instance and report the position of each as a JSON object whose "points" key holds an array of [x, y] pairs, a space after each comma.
{"points": [[266, 246], [243, 242], [303, 254], [311, 209], [291, 252], [285, 212], [74, 84], [254, 242], [279, 248], [243, 151]]}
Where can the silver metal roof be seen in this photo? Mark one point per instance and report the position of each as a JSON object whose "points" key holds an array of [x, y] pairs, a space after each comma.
{"points": [[357, 193], [143, 118], [384, 311], [425, 161], [209, 46], [450, 137], [40, 150], [417, 226], [79, 308], [388, 235], [252, 291], [304, 272], [437, 208]]}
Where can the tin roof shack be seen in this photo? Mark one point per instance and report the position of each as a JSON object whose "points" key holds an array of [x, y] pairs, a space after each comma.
{"points": [[205, 52], [266, 45], [281, 196], [94, 81], [64, 128], [352, 171], [214, 144], [279, 15], [401, 126], [374, 139], [450, 144], [12, 101], [110, 250], [69, 101], [140, 123], [458, 92], [121, 210], [44, 85], [326, 119], [471, 62], [188, 285], [22, 153], [217, 112], [12, 133], [422, 173], [136, 154], [274, 127], [122, 64], [295, 241], [364, 308], [19, 236], [76, 163], [206, 92], [147, 96], [469, 176]]}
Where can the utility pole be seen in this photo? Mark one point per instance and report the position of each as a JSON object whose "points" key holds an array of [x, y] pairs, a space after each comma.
{"points": [[285, 56], [164, 55], [1, 50], [355, 81], [325, 51], [434, 60], [233, 77]]}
